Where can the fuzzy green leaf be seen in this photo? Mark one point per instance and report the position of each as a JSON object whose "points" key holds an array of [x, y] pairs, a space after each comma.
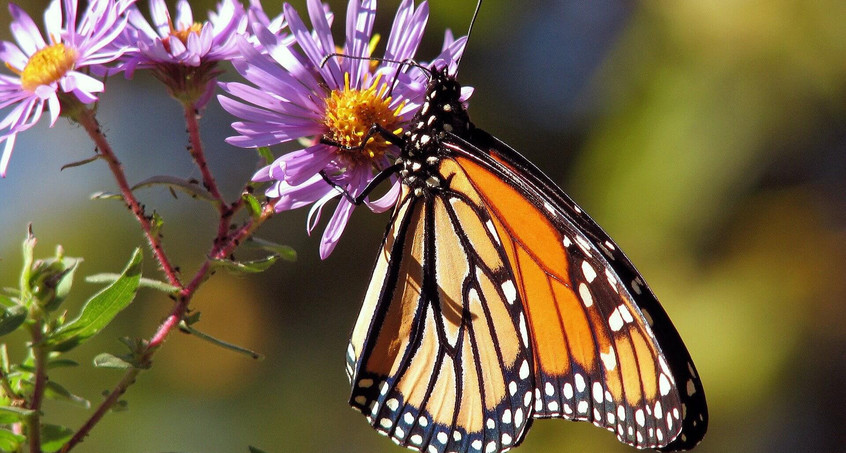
{"points": [[80, 163], [285, 252], [99, 311], [218, 342], [61, 363], [10, 414], [253, 205], [191, 187], [264, 153], [53, 437], [106, 196], [10, 441], [246, 267], [106, 360], [143, 283], [12, 318], [56, 391]]}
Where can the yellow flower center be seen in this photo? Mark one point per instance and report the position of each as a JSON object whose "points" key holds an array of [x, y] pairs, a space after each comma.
{"points": [[183, 34], [47, 66], [350, 114]]}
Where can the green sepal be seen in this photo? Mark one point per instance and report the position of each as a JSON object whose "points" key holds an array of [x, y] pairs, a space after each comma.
{"points": [[99, 311], [53, 437]]}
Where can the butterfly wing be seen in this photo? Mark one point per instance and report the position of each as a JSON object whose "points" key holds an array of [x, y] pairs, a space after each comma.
{"points": [[439, 359], [604, 349]]}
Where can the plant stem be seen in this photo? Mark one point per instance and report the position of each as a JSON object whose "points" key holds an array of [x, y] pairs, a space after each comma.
{"points": [[88, 121], [40, 358], [196, 149], [223, 249], [127, 380]]}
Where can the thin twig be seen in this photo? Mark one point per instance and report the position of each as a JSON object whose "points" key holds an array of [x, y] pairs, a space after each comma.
{"points": [[39, 386], [92, 127], [177, 313]]}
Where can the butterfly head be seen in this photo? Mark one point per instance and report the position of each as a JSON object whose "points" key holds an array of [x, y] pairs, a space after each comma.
{"points": [[441, 116]]}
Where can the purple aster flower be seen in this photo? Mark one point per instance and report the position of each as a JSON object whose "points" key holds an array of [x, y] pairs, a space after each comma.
{"points": [[323, 102], [51, 72], [183, 54]]}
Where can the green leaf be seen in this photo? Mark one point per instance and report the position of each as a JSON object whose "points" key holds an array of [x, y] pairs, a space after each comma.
{"points": [[264, 153], [217, 342], [65, 281], [99, 311], [12, 318], [246, 267], [252, 203], [8, 301], [120, 406], [55, 391], [28, 259], [53, 437], [285, 252], [255, 450], [156, 224], [106, 360], [10, 441], [61, 363], [143, 283], [189, 186], [10, 414], [106, 196], [80, 163]]}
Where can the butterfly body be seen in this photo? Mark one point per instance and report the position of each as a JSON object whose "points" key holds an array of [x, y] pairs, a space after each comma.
{"points": [[496, 300]]}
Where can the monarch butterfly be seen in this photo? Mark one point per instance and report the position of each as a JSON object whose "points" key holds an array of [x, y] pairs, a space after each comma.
{"points": [[496, 300]]}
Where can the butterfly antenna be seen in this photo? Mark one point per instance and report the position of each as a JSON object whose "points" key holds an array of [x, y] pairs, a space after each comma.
{"points": [[469, 32]]}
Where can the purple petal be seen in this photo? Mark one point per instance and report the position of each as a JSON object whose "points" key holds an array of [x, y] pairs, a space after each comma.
{"points": [[335, 228]]}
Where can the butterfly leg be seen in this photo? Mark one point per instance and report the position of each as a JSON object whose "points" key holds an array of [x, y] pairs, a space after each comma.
{"points": [[376, 129], [357, 200]]}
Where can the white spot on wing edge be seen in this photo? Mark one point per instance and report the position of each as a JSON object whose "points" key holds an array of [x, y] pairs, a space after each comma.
{"points": [[588, 271], [584, 245], [580, 382], [584, 294], [664, 384], [615, 321], [524, 370]]}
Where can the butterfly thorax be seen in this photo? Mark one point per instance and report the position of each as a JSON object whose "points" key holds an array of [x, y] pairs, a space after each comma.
{"points": [[442, 115]]}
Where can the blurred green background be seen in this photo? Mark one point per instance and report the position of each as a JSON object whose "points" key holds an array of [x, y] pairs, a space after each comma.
{"points": [[707, 137]]}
